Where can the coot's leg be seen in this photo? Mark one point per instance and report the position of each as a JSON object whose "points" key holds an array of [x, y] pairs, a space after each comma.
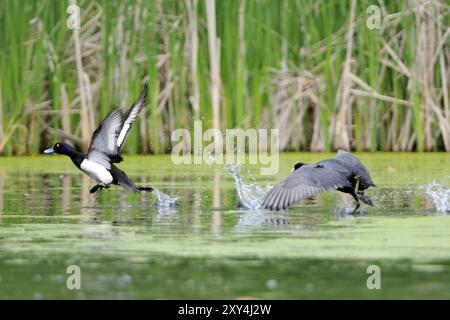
{"points": [[357, 201], [351, 191], [356, 183], [357, 207]]}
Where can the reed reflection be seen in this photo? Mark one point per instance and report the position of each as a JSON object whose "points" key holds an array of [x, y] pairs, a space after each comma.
{"points": [[216, 218]]}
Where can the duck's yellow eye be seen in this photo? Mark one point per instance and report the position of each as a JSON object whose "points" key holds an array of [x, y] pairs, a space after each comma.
{"points": [[57, 145]]}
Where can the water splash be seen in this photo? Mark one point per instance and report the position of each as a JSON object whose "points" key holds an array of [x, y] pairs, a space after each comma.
{"points": [[250, 195], [440, 196], [164, 200]]}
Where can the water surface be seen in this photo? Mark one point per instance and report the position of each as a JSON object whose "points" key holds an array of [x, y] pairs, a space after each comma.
{"points": [[206, 247]]}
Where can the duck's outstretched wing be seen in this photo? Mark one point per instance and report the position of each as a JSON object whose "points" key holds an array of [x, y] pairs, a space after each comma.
{"points": [[304, 182], [131, 115], [103, 147], [109, 137]]}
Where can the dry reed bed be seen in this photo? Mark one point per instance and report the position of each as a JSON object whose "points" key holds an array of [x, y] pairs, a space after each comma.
{"points": [[311, 68]]}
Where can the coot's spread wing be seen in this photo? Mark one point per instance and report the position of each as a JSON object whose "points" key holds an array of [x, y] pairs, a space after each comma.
{"points": [[304, 182], [354, 165], [109, 137], [131, 115], [104, 140]]}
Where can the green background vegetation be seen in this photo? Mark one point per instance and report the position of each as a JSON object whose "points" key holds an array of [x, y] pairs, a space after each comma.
{"points": [[311, 68]]}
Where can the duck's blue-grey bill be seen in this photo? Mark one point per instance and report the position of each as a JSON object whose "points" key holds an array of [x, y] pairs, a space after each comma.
{"points": [[49, 151]]}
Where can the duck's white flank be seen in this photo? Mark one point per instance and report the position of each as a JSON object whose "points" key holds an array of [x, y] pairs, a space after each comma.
{"points": [[96, 171]]}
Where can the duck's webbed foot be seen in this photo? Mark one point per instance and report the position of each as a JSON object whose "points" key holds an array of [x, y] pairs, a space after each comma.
{"points": [[143, 188], [96, 187]]}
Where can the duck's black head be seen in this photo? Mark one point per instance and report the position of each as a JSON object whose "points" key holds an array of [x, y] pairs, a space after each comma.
{"points": [[61, 148], [297, 165]]}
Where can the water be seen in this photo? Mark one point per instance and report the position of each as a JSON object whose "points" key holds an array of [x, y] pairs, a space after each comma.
{"points": [[192, 240], [164, 200], [250, 195], [440, 195]]}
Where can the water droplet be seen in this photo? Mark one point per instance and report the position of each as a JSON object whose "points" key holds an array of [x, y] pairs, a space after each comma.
{"points": [[37, 278], [272, 284], [38, 296], [309, 286]]}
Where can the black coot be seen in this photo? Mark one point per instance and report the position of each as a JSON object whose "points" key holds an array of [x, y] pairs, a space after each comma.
{"points": [[344, 173]]}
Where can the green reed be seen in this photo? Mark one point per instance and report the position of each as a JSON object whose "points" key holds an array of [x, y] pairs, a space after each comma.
{"points": [[267, 50]]}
